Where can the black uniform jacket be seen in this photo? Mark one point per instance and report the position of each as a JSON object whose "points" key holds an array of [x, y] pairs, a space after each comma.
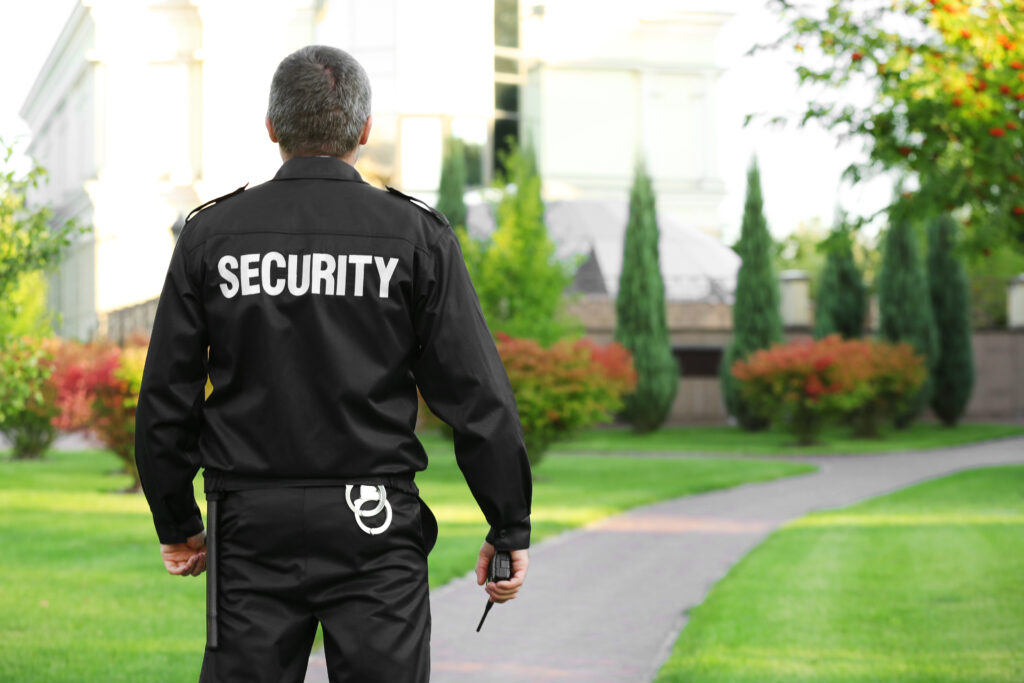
{"points": [[323, 302]]}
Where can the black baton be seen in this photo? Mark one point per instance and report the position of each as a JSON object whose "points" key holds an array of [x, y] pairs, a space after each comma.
{"points": [[211, 568]]}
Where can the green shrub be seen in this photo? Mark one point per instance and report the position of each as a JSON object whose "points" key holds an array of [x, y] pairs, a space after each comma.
{"points": [[842, 296], [26, 396], [953, 369], [905, 311], [450, 200], [641, 325], [518, 278], [756, 319]]}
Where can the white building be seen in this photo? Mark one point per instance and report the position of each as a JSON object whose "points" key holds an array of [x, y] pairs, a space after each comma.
{"points": [[144, 110]]}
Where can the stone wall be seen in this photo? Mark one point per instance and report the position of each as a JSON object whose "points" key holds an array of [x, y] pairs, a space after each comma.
{"points": [[699, 331], [696, 328]]}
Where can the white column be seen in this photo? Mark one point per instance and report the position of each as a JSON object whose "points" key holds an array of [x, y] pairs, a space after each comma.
{"points": [[1015, 303], [795, 288], [708, 132]]}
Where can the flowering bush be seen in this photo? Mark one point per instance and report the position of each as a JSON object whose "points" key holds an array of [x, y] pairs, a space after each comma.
{"points": [[96, 389], [568, 386], [74, 380], [796, 384], [565, 387], [881, 380], [26, 396], [118, 378], [803, 383]]}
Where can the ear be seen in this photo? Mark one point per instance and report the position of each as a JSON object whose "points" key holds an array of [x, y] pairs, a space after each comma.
{"points": [[366, 130], [270, 130]]}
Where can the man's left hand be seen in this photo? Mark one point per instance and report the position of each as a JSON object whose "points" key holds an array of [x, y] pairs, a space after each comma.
{"points": [[185, 559]]}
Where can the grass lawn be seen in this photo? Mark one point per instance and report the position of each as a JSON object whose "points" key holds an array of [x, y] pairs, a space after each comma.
{"points": [[834, 440], [84, 596], [925, 584]]}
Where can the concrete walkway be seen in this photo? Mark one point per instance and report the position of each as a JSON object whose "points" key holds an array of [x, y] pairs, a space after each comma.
{"points": [[606, 603]]}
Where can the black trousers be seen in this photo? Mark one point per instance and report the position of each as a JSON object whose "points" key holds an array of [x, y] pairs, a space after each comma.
{"points": [[289, 558]]}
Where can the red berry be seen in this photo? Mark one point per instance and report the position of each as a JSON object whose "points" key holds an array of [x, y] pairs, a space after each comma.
{"points": [[1005, 89], [996, 132], [1018, 210], [965, 33], [1012, 125], [957, 101], [905, 151], [856, 56], [1016, 65]]}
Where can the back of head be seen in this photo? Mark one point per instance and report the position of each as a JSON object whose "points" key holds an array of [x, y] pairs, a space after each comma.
{"points": [[319, 101]]}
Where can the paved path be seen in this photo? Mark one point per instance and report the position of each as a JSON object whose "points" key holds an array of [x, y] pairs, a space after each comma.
{"points": [[606, 603]]}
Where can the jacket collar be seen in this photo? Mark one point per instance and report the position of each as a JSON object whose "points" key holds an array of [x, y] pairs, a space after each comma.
{"points": [[329, 168]]}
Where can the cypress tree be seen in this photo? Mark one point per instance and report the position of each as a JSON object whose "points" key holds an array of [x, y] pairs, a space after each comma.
{"points": [[905, 311], [842, 296], [641, 324], [450, 200], [756, 319], [953, 369]]}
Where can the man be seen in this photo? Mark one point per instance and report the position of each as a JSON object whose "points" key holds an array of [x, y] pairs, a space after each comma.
{"points": [[316, 304]]}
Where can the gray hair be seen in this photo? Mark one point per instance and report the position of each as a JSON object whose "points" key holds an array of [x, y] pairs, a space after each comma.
{"points": [[319, 101]]}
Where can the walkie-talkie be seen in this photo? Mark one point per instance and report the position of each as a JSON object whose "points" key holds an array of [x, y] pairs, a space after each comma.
{"points": [[500, 569]]}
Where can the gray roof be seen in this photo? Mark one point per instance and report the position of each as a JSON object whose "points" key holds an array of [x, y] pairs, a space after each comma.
{"points": [[694, 265]]}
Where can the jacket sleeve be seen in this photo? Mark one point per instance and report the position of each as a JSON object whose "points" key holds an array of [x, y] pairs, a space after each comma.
{"points": [[169, 412], [463, 381]]}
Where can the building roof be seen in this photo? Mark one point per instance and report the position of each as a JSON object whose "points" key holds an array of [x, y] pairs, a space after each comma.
{"points": [[694, 265]]}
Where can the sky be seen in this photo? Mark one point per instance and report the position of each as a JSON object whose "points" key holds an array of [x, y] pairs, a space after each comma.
{"points": [[800, 167]]}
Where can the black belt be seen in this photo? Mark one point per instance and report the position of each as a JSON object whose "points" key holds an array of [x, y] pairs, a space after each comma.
{"points": [[216, 483]]}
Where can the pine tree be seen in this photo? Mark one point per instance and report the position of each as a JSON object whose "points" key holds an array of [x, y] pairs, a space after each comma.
{"points": [[905, 311], [756, 319], [450, 200], [518, 278], [842, 296], [641, 324], [953, 369]]}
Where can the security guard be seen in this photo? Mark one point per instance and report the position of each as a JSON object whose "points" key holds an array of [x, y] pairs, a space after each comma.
{"points": [[317, 304]]}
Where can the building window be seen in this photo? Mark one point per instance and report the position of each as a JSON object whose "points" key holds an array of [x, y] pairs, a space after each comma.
{"points": [[508, 79], [698, 361], [506, 98], [506, 23]]}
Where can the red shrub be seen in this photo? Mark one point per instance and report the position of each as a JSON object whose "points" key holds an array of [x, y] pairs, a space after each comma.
{"points": [[567, 386], [96, 389], [803, 383]]}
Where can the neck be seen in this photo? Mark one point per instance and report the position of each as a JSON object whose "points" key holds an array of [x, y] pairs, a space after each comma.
{"points": [[349, 158]]}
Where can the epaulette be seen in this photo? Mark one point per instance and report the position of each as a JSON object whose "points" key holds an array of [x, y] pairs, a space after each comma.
{"points": [[422, 205], [199, 208]]}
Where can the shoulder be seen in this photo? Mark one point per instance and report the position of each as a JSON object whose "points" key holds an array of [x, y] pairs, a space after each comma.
{"points": [[425, 225], [435, 217], [188, 231], [222, 198]]}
